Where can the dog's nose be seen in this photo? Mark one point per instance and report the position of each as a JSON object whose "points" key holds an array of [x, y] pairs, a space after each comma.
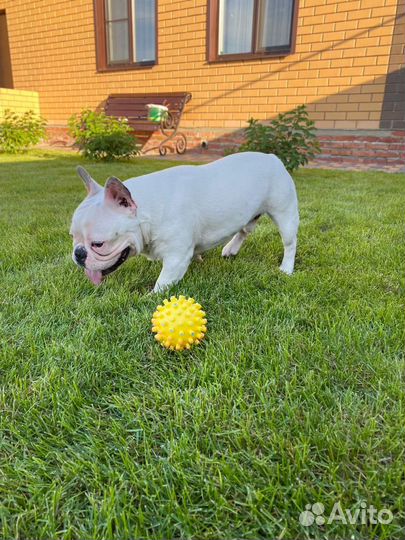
{"points": [[80, 255]]}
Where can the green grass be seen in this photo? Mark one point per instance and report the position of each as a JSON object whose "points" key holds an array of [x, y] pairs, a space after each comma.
{"points": [[296, 395]]}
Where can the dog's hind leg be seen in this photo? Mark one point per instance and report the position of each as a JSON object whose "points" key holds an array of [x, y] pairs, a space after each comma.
{"points": [[233, 246], [287, 223]]}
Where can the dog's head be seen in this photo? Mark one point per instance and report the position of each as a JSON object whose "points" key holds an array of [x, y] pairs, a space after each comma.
{"points": [[103, 227]]}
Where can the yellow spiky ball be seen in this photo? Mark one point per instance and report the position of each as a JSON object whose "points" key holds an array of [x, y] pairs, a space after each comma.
{"points": [[179, 323]]}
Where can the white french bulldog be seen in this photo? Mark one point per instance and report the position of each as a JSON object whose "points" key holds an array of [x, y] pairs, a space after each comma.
{"points": [[176, 214]]}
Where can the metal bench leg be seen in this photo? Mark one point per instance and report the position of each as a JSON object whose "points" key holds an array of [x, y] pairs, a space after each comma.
{"points": [[170, 124], [181, 143]]}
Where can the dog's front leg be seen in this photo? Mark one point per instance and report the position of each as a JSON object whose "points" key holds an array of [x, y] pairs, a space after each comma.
{"points": [[174, 268]]}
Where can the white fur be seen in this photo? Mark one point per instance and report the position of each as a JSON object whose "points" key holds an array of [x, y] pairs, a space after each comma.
{"points": [[183, 211]]}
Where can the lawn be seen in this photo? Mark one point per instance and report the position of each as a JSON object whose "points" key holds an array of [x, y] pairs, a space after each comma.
{"points": [[295, 397]]}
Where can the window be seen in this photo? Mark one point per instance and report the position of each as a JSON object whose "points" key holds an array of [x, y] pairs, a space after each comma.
{"points": [[125, 33], [239, 29]]}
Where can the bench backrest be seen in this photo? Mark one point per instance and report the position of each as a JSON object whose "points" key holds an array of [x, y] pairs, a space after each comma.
{"points": [[133, 107]]}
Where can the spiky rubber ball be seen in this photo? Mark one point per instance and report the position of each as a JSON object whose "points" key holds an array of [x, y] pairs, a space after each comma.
{"points": [[179, 323]]}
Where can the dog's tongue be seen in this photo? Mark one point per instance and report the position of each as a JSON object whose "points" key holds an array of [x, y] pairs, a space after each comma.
{"points": [[95, 276]]}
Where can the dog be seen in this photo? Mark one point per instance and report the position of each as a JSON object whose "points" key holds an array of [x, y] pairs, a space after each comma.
{"points": [[178, 213]]}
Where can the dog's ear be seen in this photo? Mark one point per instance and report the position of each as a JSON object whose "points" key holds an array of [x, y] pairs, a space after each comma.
{"points": [[119, 195], [91, 185]]}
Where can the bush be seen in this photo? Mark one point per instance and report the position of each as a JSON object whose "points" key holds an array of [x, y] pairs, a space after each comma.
{"points": [[102, 137], [20, 131], [290, 136], [111, 146]]}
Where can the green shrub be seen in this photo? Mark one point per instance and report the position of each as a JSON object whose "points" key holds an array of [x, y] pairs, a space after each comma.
{"points": [[103, 137], [20, 131], [290, 136], [111, 146]]}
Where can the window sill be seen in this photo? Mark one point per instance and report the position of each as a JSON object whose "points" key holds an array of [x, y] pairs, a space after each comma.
{"points": [[127, 67], [248, 56]]}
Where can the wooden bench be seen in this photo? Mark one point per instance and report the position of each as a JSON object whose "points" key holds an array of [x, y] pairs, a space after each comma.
{"points": [[133, 107]]}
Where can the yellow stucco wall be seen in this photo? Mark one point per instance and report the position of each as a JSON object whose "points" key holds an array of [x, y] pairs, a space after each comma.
{"points": [[339, 68], [18, 101]]}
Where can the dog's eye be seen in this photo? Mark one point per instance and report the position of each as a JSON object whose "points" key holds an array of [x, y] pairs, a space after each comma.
{"points": [[97, 244]]}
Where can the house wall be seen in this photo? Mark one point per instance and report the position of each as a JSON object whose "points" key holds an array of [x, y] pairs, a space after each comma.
{"points": [[339, 68], [344, 54]]}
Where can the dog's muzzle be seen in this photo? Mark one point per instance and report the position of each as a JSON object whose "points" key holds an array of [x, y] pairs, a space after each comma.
{"points": [[97, 276], [121, 259]]}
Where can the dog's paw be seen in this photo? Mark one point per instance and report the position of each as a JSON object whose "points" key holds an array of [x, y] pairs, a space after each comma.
{"points": [[229, 250], [150, 292], [161, 287], [287, 269]]}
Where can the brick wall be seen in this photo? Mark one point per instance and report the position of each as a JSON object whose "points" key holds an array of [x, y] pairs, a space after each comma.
{"points": [[339, 69], [383, 150], [372, 149], [393, 107]]}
